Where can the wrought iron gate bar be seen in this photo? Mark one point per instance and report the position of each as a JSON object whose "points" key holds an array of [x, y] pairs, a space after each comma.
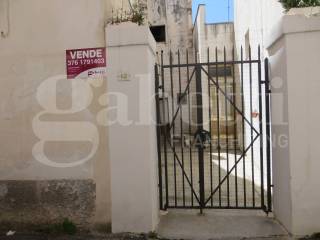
{"points": [[189, 127], [243, 132], [268, 133], [251, 131], [226, 122], [210, 125], [173, 129], [184, 173], [230, 101], [235, 129], [261, 131], [231, 170], [200, 161], [215, 207], [158, 134], [179, 105], [165, 135], [181, 134], [211, 63], [218, 123]]}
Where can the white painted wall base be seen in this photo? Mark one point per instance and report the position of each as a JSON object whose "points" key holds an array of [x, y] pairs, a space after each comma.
{"points": [[294, 51], [133, 152]]}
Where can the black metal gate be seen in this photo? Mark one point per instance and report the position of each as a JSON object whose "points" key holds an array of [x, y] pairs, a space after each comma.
{"points": [[213, 131]]}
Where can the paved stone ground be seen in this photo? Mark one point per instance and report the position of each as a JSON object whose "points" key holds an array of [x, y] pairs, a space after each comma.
{"points": [[80, 237], [111, 237], [219, 224], [241, 188]]}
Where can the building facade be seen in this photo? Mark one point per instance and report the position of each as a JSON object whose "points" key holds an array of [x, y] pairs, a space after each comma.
{"points": [[34, 38], [35, 35]]}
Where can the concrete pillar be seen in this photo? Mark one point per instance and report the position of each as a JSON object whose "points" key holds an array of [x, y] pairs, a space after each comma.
{"points": [[294, 51], [132, 135]]}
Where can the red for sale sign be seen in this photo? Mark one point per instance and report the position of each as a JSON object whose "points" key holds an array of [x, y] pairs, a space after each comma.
{"points": [[86, 63]]}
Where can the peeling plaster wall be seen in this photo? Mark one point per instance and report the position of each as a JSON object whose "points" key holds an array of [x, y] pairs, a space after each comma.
{"points": [[33, 51], [176, 15]]}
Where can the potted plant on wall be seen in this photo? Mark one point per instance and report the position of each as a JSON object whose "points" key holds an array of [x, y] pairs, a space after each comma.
{"points": [[301, 7], [136, 13]]}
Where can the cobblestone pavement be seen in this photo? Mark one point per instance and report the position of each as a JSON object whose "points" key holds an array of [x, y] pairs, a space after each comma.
{"points": [[108, 237]]}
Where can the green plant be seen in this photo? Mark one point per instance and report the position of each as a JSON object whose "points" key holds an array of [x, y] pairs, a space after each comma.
{"points": [[65, 227], [69, 227], [153, 235], [138, 13], [288, 4]]}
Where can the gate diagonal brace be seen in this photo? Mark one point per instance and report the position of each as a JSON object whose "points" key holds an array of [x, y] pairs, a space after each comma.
{"points": [[230, 101], [231, 170], [184, 173], [180, 105]]}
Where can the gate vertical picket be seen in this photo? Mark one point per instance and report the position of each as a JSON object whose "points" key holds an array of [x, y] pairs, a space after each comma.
{"points": [[234, 183]]}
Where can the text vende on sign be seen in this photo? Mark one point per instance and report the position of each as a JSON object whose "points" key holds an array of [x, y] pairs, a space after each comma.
{"points": [[85, 63]]}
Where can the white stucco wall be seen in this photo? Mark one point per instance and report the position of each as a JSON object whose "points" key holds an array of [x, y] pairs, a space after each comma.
{"points": [[258, 17], [295, 62], [295, 199], [133, 146], [253, 20]]}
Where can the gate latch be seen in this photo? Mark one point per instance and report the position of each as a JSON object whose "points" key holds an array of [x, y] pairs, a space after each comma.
{"points": [[202, 138]]}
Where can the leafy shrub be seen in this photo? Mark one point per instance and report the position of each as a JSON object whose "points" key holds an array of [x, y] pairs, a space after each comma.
{"points": [[65, 227], [69, 227], [138, 13], [288, 4]]}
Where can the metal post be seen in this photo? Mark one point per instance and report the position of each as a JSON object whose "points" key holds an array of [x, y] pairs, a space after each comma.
{"points": [[158, 135], [261, 133], [200, 129], [268, 134], [165, 135]]}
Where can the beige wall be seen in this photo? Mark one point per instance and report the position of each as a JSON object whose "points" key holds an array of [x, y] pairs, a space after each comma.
{"points": [[32, 51], [35, 35]]}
